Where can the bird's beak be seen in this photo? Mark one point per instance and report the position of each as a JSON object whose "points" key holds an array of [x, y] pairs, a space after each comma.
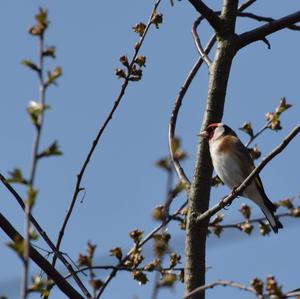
{"points": [[203, 134]]}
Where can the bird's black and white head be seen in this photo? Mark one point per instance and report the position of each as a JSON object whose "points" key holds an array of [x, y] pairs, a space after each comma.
{"points": [[215, 131]]}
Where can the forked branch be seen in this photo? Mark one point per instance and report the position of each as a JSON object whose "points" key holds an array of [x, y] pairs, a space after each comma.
{"points": [[212, 18], [261, 32]]}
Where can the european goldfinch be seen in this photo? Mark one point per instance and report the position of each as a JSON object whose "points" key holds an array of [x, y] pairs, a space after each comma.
{"points": [[233, 163]]}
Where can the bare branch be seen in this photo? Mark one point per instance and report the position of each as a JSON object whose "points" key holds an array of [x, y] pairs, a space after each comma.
{"points": [[140, 244], [260, 131], [228, 200], [178, 102], [246, 4], [261, 32], [224, 283], [212, 18], [294, 293], [36, 144], [59, 280], [78, 187], [255, 220], [44, 235], [264, 19], [199, 48]]}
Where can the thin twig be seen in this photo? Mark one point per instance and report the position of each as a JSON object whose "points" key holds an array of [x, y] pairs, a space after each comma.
{"points": [[260, 131], [36, 143], [224, 283], [196, 37], [264, 19], [78, 187], [63, 285], [178, 102], [148, 237], [44, 235], [168, 201], [228, 200], [246, 4], [254, 220], [125, 269]]}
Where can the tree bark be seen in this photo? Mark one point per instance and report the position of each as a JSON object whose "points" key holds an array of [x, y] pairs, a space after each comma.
{"points": [[199, 194]]}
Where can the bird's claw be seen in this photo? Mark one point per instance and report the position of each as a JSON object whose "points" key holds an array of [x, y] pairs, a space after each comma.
{"points": [[234, 190], [224, 203]]}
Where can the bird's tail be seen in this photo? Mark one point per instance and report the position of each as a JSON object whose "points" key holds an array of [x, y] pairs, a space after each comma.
{"points": [[268, 209]]}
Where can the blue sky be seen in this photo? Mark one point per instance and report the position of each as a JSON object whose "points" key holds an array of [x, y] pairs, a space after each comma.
{"points": [[122, 184]]}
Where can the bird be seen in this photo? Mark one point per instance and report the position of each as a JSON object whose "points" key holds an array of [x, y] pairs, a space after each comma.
{"points": [[232, 163]]}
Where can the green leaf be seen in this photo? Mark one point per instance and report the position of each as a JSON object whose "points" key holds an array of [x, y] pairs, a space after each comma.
{"points": [[96, 284], [16, 176], [30, 65], [139, 28], [164, 163], [168, 279], [139, 276], [136, 235], [33, 234], [31, 196], [120, 73], [156, 19], [52, 150], [52, 76], [38, 284], [140, 60], [49, 52], [17, 246], [247, 128], [117, 252]]}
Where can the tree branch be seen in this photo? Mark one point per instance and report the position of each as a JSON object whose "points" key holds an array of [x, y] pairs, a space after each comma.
{"points": [[178, 102], [139, 245], [199, 48], [78, 187], [224, 283], [212, 18], [264, 19], [228, 200], [44, 235], [59, 280], [246, 4], [261, 32]]}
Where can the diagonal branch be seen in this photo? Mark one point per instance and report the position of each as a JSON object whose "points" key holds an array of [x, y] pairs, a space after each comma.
{"points": [[172, 124], [148, 237], [264, 19], [59, 280], [246, 4], [261, 32], [95, 142], [212, 18], [44, 235], [228, 200]]}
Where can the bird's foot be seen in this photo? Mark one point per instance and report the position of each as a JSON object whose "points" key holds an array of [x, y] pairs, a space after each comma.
{"points": [[225, 203], [234, 192]]}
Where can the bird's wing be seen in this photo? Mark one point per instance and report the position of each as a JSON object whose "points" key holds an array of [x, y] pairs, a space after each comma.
{"points": [[247, 164]]}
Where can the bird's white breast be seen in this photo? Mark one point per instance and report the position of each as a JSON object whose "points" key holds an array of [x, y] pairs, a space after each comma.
{"points": [[226, 166]]}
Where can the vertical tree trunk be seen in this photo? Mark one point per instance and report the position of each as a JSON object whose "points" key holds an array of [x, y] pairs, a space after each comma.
{"points": [[195, 243]]}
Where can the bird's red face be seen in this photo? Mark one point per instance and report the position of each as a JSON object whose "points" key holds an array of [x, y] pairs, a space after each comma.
{"points": [[209, 132]]}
